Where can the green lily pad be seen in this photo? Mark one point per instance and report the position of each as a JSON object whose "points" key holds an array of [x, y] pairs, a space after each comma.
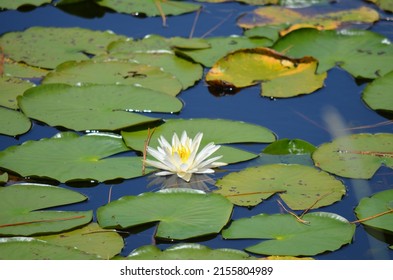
{"points": [[150, 43], [181, 213], [291, 147], [21, 210], [90, 239], [67, 156], [378, 94], [47, 47], [154, 43], [218, 131], [280, 75], [95, 107], [272, 32], [363, 54], [188, 43], [386, 5], [22, 70], [221, 46], [185, 71], [356, 156], [378, 203], [302, 159], [289, 237], [275, 15], [13, 123], [187, 251], [15, 4], [115, 73], [150, 7], [28, 248], [300, 187], [10, 88]]}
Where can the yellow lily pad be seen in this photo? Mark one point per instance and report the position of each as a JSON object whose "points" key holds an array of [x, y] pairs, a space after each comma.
{"points": [[281, 76], [274, 15]]}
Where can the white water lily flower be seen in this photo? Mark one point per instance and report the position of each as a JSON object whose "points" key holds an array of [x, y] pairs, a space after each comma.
{"points": [[182, 157]]}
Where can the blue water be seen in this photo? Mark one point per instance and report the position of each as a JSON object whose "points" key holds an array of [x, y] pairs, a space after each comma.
{"points": [[301, 117]]}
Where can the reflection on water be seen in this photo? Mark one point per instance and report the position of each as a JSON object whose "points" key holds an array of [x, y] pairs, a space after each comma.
{"points": [[197, 182]]}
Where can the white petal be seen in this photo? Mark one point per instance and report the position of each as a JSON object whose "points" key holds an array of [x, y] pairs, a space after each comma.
{"points": [[195, 147], [164, 143], [184, 138], [205, 171], [164, 173], [156, 154], [175, 140], [206, 152], [157, 164], [208, 163], [218, 164], [185, 176]]}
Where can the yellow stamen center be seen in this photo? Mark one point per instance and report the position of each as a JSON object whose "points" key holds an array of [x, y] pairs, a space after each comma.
{"points": [[182, 151]]}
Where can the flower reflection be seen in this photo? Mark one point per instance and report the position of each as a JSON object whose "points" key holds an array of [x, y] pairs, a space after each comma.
{"points": [[201, 182]]}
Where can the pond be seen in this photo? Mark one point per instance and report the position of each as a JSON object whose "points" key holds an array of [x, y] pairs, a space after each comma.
{"points": [[334, 109]]}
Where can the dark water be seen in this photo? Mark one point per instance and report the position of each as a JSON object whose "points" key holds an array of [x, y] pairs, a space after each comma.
{"points": [[301, 117]]}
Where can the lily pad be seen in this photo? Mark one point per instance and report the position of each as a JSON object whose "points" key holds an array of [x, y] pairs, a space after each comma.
{"points": [[356, 156], [221, 46], [15, 4], [286, 3], [300, 187], [47, 47], [10, 88], [285, 235], [386, 5], [22, 70], [188, 43], [13, 123], [272, 32], [289, 147], [21, 210], [218, 131], [185, 71], [115, 73], [302, 159], [187, 251], [154, 43], [150, 7], [28, 248], [280, 75], [181, 213], [90, 239], [363, 54], [274, 15], [95, 107], [369, 207], [378, 94], [67, 156]]}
